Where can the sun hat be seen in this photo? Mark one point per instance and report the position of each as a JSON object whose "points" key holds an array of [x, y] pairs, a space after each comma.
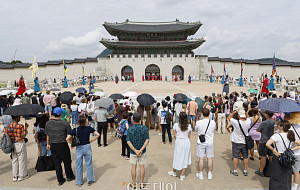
{"points": [[193, 98], [242, 113]]}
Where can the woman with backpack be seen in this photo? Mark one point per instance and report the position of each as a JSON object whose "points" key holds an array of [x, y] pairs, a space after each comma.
{"points": [[125, 126], [41, 136], [281, 176]]}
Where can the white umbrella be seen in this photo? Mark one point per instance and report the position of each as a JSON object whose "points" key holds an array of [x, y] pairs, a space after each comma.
{"points": [[4, 92], [29, 91], [130, 94], [100, 94]]}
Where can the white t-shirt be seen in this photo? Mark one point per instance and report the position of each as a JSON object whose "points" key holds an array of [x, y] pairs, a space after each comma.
{"points": [[182, 134], [279, 143], [297, 127], [74, 107], [237, 134], [82, 107], [161, 113], [201, 126]]}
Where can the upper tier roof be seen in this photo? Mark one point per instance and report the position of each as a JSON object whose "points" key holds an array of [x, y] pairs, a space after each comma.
{"points": [[141, 27]]}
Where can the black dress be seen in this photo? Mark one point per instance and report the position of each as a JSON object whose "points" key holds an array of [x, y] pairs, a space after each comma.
{"points": [[281, 177]]}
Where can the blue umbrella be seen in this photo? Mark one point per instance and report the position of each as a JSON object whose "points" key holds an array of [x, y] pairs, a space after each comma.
{"points": [[279, 105], [81, 90]]}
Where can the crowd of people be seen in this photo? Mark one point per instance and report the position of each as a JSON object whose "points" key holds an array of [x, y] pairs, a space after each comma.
{"points": [[81, 122]]}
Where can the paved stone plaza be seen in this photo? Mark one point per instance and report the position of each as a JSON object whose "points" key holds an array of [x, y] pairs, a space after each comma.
{"points": [[113, 172]]}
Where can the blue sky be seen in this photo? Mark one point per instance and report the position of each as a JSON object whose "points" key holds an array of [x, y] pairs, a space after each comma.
{"points": [[61, 29]]}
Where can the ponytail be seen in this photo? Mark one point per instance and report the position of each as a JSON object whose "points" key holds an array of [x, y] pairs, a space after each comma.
{"points": [[286, 126], [291, 136]]}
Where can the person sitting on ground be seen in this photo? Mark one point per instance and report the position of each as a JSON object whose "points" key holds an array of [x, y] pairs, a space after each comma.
{"points": [[137, 139], [182, 150], [238, 139], [83, 150], [205, 127], [17, 133]]}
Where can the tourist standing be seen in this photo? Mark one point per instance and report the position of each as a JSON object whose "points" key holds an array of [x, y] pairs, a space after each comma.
{"points": [[74, 109], [163, 122], [17, 133], [255, 135], [220, 110], [238, 139], [56, 131], [205, 127], [83, 150], [266, 128], [3, 104], [294, 119], [47, 101], [125, 126], [101, 115], [226, 85], [281, 176], [182, 150], [192, 107], [177, 110], [43, 141], [137, 139]]}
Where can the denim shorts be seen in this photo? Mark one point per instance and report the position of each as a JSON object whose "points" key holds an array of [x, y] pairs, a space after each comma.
{"points": [[192, 117], [48, 108]]}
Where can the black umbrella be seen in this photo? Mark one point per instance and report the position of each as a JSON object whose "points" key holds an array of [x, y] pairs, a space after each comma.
{"points": [[66, 97], [81, 90], [180, 97], [24, 109], [145, 99], [116, 96]]}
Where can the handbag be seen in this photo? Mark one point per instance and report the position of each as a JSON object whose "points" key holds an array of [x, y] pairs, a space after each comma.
{"points": [[248, 139], [44, 163], [75, 141], [202, 137]]}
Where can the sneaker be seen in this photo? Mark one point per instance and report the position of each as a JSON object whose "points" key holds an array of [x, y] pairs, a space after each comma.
{"points": [[209, 175], [79, 185], [62, 182], [122, 156], [71, 179], [170, 143], [90, 183], [245, 173], [182, 177], [15, 179], [159, 134], [163, 142], [22, 178], [171, 173], [127, 158], [199, 175], [234, 173], [257, 172]]}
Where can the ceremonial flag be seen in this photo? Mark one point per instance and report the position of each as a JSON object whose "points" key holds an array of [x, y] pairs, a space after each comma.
{"points": [[65, 68], [212, 70], [94, 72], [34, 66], [224, 69], [82, 69], [274, 72], [242, 67]]}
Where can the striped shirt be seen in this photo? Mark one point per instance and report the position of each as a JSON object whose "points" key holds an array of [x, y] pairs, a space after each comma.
{"points": [[19, 132]]}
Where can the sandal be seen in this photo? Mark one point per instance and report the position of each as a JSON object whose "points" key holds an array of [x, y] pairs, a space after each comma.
{"points": [[132, 186], [142, 185]]}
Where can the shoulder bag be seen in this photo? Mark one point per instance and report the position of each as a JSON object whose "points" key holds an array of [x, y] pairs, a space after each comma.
{"points": [[75, 141], [202, 137], [287, 158], [253, 124], [248, 139]]}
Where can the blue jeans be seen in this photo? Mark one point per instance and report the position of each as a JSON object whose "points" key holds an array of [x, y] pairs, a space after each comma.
{"points": [[86, 152], [74, 117], [176, 118], [44, 150]]}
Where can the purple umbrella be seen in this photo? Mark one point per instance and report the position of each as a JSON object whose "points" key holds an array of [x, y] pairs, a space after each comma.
{"points": [[279, 105]]}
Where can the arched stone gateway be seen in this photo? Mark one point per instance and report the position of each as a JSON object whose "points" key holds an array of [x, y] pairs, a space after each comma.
{"points": [[179, 71], [127, 72], [152, 70]]}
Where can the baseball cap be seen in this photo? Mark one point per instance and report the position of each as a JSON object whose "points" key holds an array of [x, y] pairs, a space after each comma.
{"points": [[58, 111], [242, 113]]}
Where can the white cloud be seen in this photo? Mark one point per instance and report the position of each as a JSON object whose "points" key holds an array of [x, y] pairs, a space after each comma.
{"points": [[290, 51], [71, 44]]}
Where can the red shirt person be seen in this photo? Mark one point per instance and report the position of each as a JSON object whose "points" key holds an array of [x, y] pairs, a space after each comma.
{"points": [[22, 87], [265, 87]]}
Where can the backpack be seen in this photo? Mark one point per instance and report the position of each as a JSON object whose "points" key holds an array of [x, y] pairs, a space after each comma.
{"points": [[7, 145], [119, 133], [168, 117], [34, 100], [41, 136], [287, 158], [90, 109]]}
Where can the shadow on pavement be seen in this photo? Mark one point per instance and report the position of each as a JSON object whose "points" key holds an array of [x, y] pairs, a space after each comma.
{"points": [[99, 171]]}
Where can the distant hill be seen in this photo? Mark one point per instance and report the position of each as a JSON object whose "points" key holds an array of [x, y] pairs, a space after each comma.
{"points": [[271, 60]]}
